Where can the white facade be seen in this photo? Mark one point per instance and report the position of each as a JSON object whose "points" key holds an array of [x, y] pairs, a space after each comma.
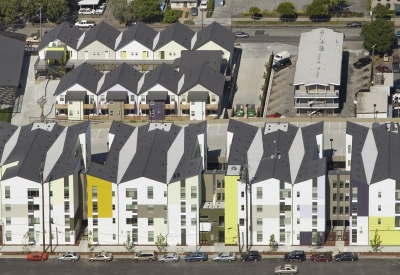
{"points": [[134, 51], [170, 51], [96, 51], [73, 53], [212, 46], [132, 98]]}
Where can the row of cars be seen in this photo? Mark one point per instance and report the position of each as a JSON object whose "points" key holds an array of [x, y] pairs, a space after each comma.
{"points": [[364, 61], [88, 11]]}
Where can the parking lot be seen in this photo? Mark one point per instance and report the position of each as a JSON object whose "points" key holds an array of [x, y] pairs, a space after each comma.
{"points": [[282, 93], [127, 266]]}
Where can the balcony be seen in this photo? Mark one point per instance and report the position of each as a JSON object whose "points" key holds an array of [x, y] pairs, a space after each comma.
{"points": [[129, 106], [185, 106], [61, 106], [211, 106], [88, 106], [298, 94], [144, 106], [169, 106], [316, 105], [103, 106]]}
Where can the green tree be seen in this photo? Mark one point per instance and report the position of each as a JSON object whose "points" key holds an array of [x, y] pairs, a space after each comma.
{"points": [[286, 8], [128, 244], [380, 11], [254, 11], [57, 9], [317, 8], [210, 8], [161, 242], [121, 10], [368, 6], [31, 8], [90, 240], [170, 15], [379, 32], [375, 243], [272, 243], [145, 10], [335, 3], [25, 243]]}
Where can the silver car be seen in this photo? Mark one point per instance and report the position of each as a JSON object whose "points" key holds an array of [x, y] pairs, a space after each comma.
{"points": [[169, 257], [69, 256], [225, 257], [101, 256]]}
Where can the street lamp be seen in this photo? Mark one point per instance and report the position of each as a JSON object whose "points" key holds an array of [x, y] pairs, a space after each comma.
{"points": [[40, 9], [41, 169], [374, 111], [331, 146]]}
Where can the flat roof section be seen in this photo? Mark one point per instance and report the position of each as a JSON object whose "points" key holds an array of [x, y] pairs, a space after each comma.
{"points": [[320, 58]]}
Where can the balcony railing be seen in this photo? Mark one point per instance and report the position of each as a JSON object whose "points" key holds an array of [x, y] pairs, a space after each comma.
{"points": [[211, 106], [316, 95], [169, 106], [103, 106], [317, 105], [143, 106], [61, 106], [88, 106], [129, 106], [185, 106]]}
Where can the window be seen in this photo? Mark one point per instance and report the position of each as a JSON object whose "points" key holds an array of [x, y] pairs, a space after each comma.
{"points": [[94, 192], [334, 210], [51, 193], [341, 210], [298, 194], [242, 207], [282, 237], [8, 236], [113, 207], [221, 221], [62, 98], [396, 208], [91, 99], [66, 190], [354, 208], [165, 194], [183, 220], [150, 221], [349, 162], [213, 99], [242, 194], [298, 220], [111, 102], [346, 210], [220, 196], [193, 207], [347, 184], [347, 197], [183, 99], [259, 221], [259, 193], [193, 221], [8, 207], [379, 208], [150, 208], [113, 193], [94, 206], [131, 221], [334, 184], [354, 189], [285, 194], [379, 221], [113, 220], [132, 98], [66, 206], [354, 221], [150, 236], [151, 102], [379, 195], [95, 220], [192, 113], [298, 207], [220, 183], [143, 99], [241, 222], [131, 207], [349, 149], [259, 236], [334, 197], [314, 221], [172, 99], [8, 220], [397, 221], [183, 190], [131, 193], [193, 192], [111, 113], [95, 234], [354, 235], [165, 221], [150, 192], [314, 208], [183, 207], [33, 193], [341, 184], [341, 197], [259, 208], [102, 98]]}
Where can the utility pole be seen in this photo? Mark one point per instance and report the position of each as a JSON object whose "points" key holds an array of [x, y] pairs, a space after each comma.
{"points": [[41, 175], [238, 234], [202, 23], [40, 37], [50, 235], [247, 209]]}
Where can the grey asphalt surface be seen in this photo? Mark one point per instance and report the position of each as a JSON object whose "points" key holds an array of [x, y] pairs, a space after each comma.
{"points": [[127, 266]]}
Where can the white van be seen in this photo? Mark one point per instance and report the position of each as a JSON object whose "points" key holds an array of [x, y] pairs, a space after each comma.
{"points": [[281, 55]]}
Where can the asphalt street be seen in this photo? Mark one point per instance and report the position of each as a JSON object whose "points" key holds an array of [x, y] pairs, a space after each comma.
{"points": [[127, 266]]}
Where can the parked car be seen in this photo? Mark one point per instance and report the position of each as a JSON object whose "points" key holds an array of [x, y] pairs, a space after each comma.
{"points": [[84, 11], [100, 9], [145, 255], [295, 255], [169, 257], [281, 64], [396, 59], [362, 62], [101, 256], [239, 110], [362, 91], [354, 25], [383, 69], [225, 257], [251, 256], [398, 34], [196, 257], [241, 34], [37, 256], [251, 110], [194, 11], [275, 115], [346, 256], [203, 5], [69, 256], [397, 85], [321, 257], [286, 269], [396, 68]]}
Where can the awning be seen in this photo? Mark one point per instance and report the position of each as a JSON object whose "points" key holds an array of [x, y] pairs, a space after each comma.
{"points": [[88, 2], [157, 95], [75, 95], [54, 55], [198, 96], [116, 95]]}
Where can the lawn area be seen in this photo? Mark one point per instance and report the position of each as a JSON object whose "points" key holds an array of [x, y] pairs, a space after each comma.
{"points": [[179, 13], [6, 114], [280, 23]]}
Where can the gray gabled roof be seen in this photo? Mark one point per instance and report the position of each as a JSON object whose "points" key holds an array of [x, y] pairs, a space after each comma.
{"points": [[139, 32], [176, 32], [163, 75], [6, 132], [103, 33], [84, 75], [192, 59], [157, 95], [75, 95], [197, 96], [63, 32], [117, 95], [11, 61], [124, 75], [205, 76], [32, 145], [217, 34]]}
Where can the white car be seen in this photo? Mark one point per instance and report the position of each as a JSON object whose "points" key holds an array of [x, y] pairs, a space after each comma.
{"points": [[169, 257], [203, 6], [224, 257], [100, 9], [85, 11]]}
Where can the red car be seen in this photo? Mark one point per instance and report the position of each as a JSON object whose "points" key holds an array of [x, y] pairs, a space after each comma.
{"points": [[37, 256], [275, 115], [321, 257], [383, 69]]}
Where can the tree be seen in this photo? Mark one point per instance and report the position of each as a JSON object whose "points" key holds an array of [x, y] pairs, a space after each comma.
{"points": [[335, 3], [145, 10], [316, 241], [128, 244], [8, 11], [161, 242], [90, 240], [379, 32], [368, 6], [25, 243], [380, 11], [31, 8], [286, 8], [317, 8], [253, 11], [122, 10], [57, 9], [272, 243], [170, 15], [375, 243]]}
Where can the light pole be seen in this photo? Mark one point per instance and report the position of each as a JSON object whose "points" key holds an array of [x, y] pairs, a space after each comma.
{"points": [[50, 236], [373, 57], [331, 146], [41, 169], [374, 112], [40, 9]]}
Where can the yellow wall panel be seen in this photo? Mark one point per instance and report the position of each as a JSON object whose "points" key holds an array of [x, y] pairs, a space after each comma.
{"points": [[231, 208], [104, 197]]}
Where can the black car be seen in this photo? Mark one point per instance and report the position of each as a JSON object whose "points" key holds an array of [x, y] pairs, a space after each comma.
{"points": [[194, 11], [362, 62], [346, 256], [251, 256], [241, 34], [281, 64], [196, 257], [397, 85], [296, 255], [396, 68], [354, 25]]}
